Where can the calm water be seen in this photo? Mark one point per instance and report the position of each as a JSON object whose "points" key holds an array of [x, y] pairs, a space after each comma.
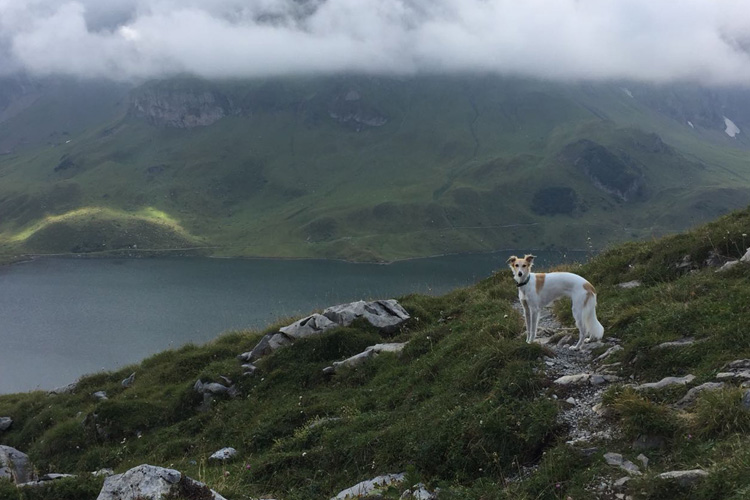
{"points": [[62, 318]]}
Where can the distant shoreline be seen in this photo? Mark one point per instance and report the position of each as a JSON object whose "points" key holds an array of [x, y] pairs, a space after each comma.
{"points": [[195, 252]]}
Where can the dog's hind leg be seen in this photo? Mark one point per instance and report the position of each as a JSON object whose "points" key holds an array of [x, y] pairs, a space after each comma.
{"points": [[580, 324]]}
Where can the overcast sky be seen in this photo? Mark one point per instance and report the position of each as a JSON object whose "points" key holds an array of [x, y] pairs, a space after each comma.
{"points": [[649, 40]]}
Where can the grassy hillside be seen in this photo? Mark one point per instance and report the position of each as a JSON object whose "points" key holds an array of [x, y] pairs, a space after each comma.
{"points": [[466, 407], [379, 169]]}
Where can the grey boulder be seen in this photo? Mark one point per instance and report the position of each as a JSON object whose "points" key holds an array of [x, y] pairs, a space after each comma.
{"points": [[666, 382], [692, 394], [369, 487], [371, 352], [128, 382], [307, 327], [15, 465], [224, 454], [148, 482], [684, 477], [5, 423], [386, 315]]}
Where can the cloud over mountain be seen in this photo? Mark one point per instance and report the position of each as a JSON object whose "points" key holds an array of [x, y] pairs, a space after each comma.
{"points": [[669, 40]]}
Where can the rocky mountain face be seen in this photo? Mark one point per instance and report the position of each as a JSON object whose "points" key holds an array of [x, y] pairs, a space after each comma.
{"points": [[181, 108]]}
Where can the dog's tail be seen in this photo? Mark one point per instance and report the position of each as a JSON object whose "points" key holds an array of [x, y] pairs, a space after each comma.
{"points": [[594, 329]]}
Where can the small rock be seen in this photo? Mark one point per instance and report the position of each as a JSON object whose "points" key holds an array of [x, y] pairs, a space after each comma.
{"points": [[609, 352], [224, 454], [370, 486], [738, 374], [621, 482], [579, 378], [692, 394], [666, 382], [249, 369], [418, 492], [369, 353], [746, 257], [567, 339], [597, 379], [739, 364], [329, 370], [66, 389], [128, 382], [571, 400], [676, 343], [729, 265], [629, 284], [684, 477], [103, 472], [100, 395], [643, 459], [613, 458], [5, 423]]}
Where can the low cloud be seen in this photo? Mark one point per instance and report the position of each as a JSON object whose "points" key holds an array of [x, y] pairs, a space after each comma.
{"points": [[705, 41]]}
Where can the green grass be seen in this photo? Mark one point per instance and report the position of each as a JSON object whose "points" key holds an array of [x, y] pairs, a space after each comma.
{"points": [[465, 407]]}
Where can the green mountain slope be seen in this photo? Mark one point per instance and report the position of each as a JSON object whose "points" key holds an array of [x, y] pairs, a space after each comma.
{"points": [[377, 168], [466, 407]]}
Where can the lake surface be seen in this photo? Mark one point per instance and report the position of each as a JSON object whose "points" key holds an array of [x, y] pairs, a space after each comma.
{"points": [[62, 318]]}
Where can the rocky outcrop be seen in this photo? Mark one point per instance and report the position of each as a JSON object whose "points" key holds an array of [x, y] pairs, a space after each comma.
{"points": [[386, 315], [676, 343], [148, 482], [181, 108], [350, 110], [666, 382], [210, 390], [370, 353], [629, 284], [693, 393], [369, 487], [617, 460], [738, 370], [684, 477], [224, 454], [65, 389], [15, 465], [128, 382]]}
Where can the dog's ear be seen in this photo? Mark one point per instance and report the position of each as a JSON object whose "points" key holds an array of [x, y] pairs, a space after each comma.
{"points": [[529, 258], [511, 259]]}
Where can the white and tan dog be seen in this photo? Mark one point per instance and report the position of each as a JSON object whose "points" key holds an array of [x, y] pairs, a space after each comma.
{"points": [[536, 290]]}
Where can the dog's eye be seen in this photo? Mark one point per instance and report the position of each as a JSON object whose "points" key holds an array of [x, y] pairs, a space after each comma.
{"points": [[524, 265]]}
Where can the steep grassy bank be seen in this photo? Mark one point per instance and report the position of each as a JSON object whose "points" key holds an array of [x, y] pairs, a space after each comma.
{"points": [[465, 407]]}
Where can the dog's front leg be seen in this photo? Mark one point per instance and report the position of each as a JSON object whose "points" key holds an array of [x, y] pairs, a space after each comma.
{"points": [[527, 318], [534, 323]]}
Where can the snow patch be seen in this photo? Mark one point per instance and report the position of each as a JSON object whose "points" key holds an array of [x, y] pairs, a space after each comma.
{"points": [[629, 93], [732, 129], [691, 124]]}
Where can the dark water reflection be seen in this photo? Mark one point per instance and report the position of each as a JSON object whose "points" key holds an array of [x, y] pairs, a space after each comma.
{"points": [[61, 318]]}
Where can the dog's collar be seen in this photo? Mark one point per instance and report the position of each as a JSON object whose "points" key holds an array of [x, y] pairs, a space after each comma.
{"points": [[519, 285]]}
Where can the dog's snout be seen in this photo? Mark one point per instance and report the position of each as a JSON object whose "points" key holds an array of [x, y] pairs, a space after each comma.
{"points": [[520, 273]]}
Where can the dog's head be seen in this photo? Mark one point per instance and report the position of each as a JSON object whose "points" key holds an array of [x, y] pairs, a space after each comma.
{"points": [[521, 267]]}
